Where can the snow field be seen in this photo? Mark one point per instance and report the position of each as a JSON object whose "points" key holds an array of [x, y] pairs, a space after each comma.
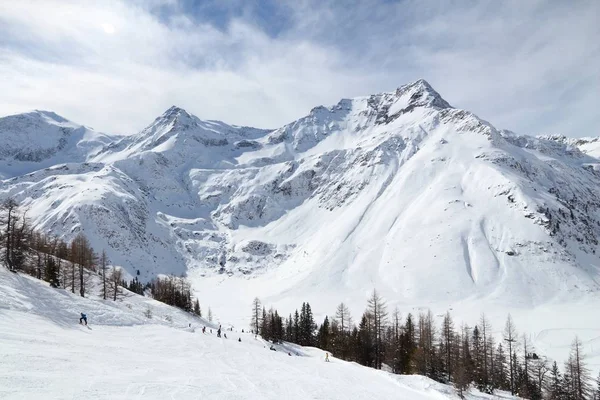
{"points": [[46, 354]]}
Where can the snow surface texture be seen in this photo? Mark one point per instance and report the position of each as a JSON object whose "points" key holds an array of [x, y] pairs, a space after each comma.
{"points": [[398, 191], [46, 354]]}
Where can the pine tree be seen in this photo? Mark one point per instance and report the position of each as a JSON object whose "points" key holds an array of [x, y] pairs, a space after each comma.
{"points": [[463, 365], [197, 309], [342, 315], [256, 314], [395, 342], [568, 387], [51, 273], [597, 390], [10, 216], [307, 326], [103, 271], [578, 371], [485, 361], [377, 308], [446, 344], [554, 385], [324, 334], [539, 371], [365, 348], [264, 330], [408, 345], [510, 336], [289, 329], [499, 374], [296, 328], [425, 355]]}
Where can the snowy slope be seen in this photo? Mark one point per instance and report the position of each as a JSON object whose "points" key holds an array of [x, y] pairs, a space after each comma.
{"points": [[588, 145], [40, 139], [46, 354], [399, 191]]}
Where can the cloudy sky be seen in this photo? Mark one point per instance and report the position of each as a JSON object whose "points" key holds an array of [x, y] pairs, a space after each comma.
{"points": [[530, 66]]}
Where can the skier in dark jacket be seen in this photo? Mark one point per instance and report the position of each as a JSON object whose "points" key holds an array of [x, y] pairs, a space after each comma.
{"points": [[83, 319]]}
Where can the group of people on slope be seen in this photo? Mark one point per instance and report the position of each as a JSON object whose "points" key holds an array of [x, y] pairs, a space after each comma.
{"points": [[83, 321]]}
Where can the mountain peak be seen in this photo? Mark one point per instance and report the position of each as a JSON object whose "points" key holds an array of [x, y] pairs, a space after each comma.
{"points": [[175, 111], [174, 116], [422, 94], [49, 114]]}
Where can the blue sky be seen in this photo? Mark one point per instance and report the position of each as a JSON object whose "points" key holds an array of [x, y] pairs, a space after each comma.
{"points": [[529, 66]]}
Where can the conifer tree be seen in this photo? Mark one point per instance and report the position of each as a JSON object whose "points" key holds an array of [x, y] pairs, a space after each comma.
{"points": [[510, 336], [324, 334], [264, 325], [408, 345], [296, 328], [289, 329], [307, 326], [578, 371], [51, 273], [256, 314], [485, 329], [103, 271], [342, 315], [365, 348], [500, 375], [554, 384], [377, 309], [446, 344], [197, 309]]}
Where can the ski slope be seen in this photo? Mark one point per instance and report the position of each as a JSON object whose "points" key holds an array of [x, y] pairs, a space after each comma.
{"points": [[46, 354]]}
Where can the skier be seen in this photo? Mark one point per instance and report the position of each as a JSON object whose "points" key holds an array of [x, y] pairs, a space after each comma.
{"points": [[83, 319], [225, 335], [219, 333], [239, 339], [204, 329], [326, 357]]}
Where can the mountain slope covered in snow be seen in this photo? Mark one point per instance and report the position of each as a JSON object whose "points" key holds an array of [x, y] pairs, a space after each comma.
{"points": [[40, 139], [125, 355], [399, 191]]}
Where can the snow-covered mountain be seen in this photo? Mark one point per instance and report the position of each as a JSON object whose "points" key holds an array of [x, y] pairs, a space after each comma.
{"points": [[398, 191], [41, 138]]}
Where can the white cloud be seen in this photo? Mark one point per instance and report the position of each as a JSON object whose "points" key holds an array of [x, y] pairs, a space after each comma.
{"points": [[116, 65]]}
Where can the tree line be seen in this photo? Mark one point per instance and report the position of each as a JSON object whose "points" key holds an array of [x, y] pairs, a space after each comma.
{"points": [[71, 265], [462, 356]]}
